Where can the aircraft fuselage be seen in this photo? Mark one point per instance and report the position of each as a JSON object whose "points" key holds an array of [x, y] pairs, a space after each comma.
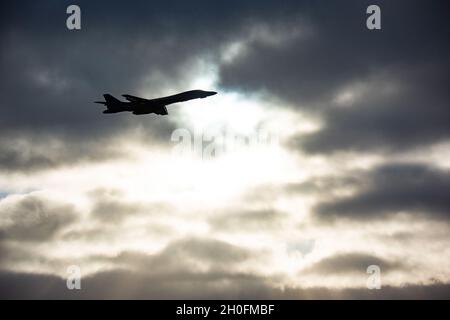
{"points": [[138, 105]]}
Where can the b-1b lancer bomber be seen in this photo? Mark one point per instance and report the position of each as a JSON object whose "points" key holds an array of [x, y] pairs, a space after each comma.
{"points": [[138, 105]]}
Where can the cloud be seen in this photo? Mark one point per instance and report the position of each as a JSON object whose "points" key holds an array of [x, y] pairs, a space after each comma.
{"points": [[194, 254], [246, 220], [351, 263], [334, 49], [304, 53], [31, 153], [412, 116], [34, 218], [321, 184], [125, 285], [378, 91], [391, 189], [396, 97], [111, 206], [52, 77]]}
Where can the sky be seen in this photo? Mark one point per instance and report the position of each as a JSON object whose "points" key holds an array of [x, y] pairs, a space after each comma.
{"points": [[324, 154]]}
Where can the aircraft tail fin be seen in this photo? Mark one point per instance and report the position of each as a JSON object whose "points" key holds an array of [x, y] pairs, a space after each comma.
{"points": [[110, 99]]}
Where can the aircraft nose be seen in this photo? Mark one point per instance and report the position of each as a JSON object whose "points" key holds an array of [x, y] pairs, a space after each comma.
{"points": [[211, 93]]}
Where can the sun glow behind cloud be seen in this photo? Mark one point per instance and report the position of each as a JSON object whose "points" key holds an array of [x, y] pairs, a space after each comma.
{"points": [[195, 186], [199, 188]]}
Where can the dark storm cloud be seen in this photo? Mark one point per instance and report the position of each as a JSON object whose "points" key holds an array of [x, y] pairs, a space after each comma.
{"points": [[29, 221], [32, 218], [212, 252], [192, 268], [33, 152], [335, 50], [13, 253], [395, 188], [119, 284], [183, 258], [351, 263], [415, 116], [126, 285], [186, 259], [52, 75]]}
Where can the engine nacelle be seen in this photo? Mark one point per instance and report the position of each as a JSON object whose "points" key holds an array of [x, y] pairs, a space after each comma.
{"points": [[141, 112]]}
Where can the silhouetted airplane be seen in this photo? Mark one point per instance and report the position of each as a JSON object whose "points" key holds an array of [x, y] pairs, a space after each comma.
{"points": [[138, 105]]}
